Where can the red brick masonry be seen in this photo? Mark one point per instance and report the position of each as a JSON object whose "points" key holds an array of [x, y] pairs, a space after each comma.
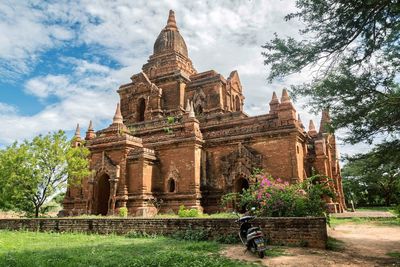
{"points": [[311, 232]]}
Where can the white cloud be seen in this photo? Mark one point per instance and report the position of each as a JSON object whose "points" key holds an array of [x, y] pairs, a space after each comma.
{"points": [[220, 35], [25, 33], [7, 109]]}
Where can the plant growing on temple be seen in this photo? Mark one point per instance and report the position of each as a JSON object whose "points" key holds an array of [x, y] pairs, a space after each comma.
{"points": [[123, 212], [277, 198], [352, 49], [33, 171]]}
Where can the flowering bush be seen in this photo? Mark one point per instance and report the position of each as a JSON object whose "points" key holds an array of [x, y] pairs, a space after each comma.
{"points": [[276, 198]]}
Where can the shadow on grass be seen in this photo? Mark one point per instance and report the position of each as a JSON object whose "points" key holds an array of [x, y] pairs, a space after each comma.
{"points": [[276, 252], [394, 254], [130, 252], [334, 244]]}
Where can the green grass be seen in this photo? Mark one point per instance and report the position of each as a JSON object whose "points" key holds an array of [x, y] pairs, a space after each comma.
{"points": [[373, 209], [388, 209], [394, 254], [220, 215], [75, 249], [334, 244], [275, 252], [376, 221]]}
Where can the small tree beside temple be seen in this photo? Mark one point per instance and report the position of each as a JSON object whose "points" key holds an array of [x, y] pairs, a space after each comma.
{"points": [[33, 171]]}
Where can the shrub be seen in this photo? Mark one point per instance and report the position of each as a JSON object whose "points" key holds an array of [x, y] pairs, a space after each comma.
{"points": [[188, 212], [139, 234], [276, 198], [228, 239], [397, 210], [123, 212], [191, 234]]}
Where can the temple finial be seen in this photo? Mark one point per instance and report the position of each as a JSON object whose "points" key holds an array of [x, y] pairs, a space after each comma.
{"points": [[90, 128], [191, 112], [118, 116], [171, 23], [325, 121], [300, 122], [285, 96], [78, 131], [311, 129], [90, 134], [187, 109], [274, 98]]}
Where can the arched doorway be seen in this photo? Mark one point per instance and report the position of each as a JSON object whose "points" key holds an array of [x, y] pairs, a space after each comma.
{"points": [[171, 185], [241, 184], [141, 108], [103, 194]]}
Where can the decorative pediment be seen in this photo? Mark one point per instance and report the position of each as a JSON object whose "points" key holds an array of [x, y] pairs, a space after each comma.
{"points": [[234, 81], [143, 85], [240, 163], [106, 165]]}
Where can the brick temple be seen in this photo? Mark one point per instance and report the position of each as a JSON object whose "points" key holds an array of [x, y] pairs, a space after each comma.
{"points": [[182, 136]]}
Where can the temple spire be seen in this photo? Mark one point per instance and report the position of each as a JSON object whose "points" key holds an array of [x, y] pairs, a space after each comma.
{"points": [[78, 131], [311, 129], [285, 96], [90, 134], [171, 23], [273, 104], [118, 116], [300, 122], [325, 121], [274, 98], [90, 128]]}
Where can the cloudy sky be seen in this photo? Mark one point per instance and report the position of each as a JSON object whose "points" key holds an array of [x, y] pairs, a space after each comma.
{"points": [[61, 63]]}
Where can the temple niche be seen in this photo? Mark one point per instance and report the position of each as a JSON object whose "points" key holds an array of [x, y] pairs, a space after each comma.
{"points": [[182, 136]]}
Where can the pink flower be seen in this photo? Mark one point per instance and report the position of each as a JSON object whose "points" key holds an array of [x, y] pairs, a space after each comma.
{"points": [[279, 180], [268, 195], [265, 182]]}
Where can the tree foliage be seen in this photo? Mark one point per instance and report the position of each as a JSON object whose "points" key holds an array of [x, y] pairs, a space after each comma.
{"points": [[33, 171], [353, 50], [374, 178]]}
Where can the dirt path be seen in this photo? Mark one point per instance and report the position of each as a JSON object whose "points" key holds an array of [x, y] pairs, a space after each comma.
{"points": [[363, 245]]}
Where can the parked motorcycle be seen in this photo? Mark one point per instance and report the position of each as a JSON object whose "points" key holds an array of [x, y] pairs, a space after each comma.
{"points": [[252, 237]]}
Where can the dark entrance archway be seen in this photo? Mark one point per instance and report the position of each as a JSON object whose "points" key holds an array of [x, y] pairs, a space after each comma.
{"points": [[241, 184], [141, 108], [103, 194]]}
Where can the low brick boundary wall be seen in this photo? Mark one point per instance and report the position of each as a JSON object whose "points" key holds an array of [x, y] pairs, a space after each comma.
{"points": [[299, 231]]}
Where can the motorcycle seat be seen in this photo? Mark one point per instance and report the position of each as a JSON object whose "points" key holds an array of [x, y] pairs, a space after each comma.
{"points": [[253, 229]]}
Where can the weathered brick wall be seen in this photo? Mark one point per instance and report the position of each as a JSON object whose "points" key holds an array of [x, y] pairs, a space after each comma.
{"points": [[310, 232]]}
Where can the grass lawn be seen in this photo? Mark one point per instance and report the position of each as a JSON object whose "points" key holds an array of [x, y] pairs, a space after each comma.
{"points": [[388, 209], [75, 249], [376, 221]]}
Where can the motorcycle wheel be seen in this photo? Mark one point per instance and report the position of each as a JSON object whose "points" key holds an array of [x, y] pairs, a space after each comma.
{"points": [[261, 254]]}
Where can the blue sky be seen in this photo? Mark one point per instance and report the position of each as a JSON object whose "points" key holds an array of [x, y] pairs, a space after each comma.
{"points": [[61, 62]]}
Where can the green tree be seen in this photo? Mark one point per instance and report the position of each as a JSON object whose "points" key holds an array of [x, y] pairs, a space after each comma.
{"points": [[374, 178], [353, 50], [33, 171]]}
